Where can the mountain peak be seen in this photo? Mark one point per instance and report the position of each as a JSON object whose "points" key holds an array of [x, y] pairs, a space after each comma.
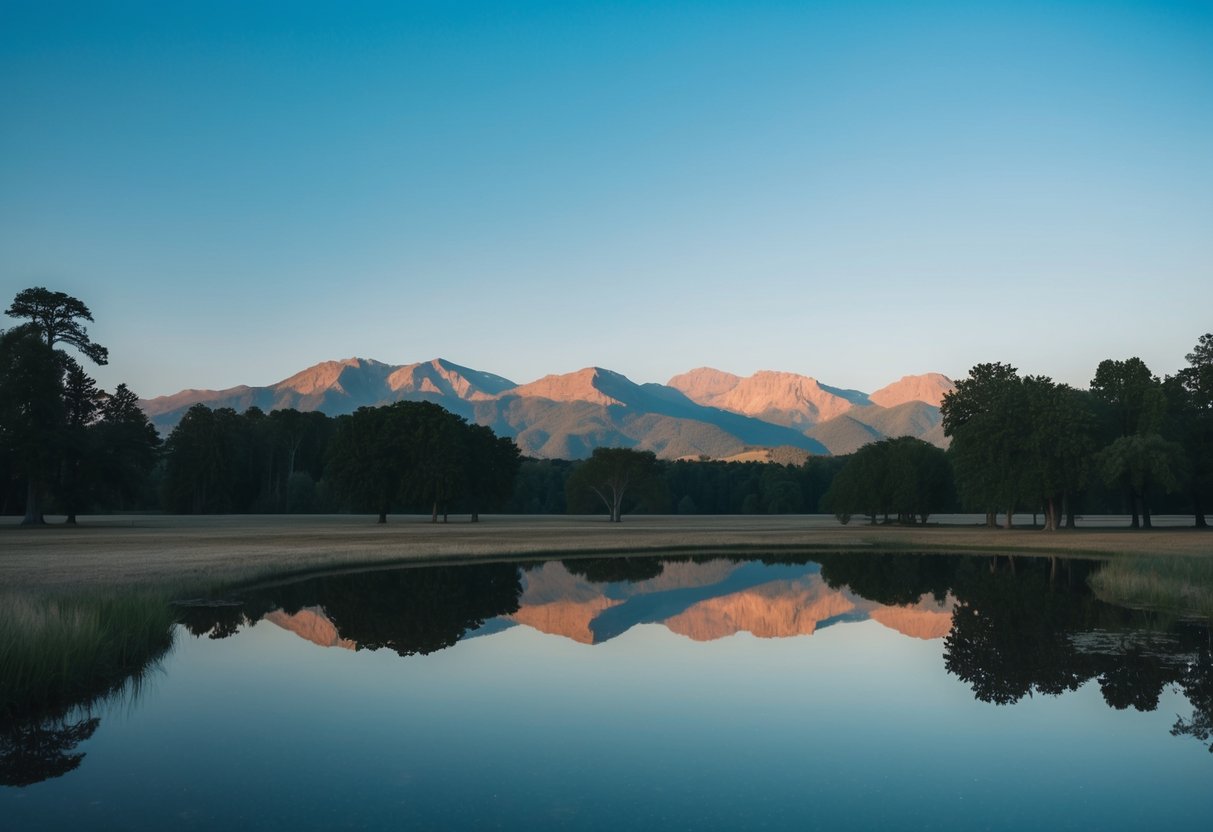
{"points": [[589, 384], [446, 378], [928, 387], [704, 383]]}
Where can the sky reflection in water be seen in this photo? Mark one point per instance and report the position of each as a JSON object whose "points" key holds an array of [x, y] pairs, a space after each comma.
{"points": [[677, 717]]}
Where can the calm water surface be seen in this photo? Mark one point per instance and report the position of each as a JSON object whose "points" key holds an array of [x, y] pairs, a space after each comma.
{"points": [[857, 691]]}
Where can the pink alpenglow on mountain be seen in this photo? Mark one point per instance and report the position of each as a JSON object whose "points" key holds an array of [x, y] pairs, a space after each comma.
{"points": [[929, 388], [582, 386], [783, 398]]}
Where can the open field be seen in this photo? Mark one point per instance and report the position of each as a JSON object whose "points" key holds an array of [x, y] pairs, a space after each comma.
{"points": [[201, 553]]}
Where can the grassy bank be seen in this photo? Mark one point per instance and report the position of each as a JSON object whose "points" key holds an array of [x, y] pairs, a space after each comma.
{"points": [[1178, 586], [59, 652]]}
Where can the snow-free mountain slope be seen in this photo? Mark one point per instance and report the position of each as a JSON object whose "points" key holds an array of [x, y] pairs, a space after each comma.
{"points": [[702, 413], [929, 388]]}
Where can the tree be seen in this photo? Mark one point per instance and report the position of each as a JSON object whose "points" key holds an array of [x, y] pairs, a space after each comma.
{"points": [[126, 447], [57, 318], [369, 458], [1140, 464], [904, 476], [1189, 395], [435, 443], [984, 418], [1060, 444], [82, 404], [611, 473], [31, 411], [492, 465], [1132, 399], [203, 456], [53, 318]]}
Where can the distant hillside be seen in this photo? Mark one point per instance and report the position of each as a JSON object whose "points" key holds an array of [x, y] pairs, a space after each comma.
{"points": [[701, 413]]}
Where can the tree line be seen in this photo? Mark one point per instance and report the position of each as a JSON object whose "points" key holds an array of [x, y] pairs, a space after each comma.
{"points": [[1028, 442], [1132, 443]]}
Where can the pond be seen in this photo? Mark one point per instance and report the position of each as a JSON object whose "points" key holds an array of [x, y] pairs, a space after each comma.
{"points": [[850, 690]]}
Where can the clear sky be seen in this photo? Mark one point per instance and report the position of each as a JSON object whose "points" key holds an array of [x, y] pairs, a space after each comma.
{"points": [[852, 190]]}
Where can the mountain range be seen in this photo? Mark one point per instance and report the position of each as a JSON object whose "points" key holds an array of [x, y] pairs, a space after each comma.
{"points": [[700, 413]]}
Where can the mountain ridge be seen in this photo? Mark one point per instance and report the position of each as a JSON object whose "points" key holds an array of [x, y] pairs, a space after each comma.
{"points": [[701, 413]]}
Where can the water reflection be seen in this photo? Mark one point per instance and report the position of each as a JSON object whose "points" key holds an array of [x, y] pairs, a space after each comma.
{"points": [[1011, 627]]}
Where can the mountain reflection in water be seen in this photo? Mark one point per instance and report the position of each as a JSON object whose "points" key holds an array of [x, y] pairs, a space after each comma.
{"points": [[1012, 627]]}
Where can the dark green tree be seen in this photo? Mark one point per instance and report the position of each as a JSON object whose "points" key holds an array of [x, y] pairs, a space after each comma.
{"points": [[82, 404], [204, 463], [126, 448], [57, 318], [492, 466], [1189, 395], [1142, 464], [1131, 402], [369, 457], [1060, 444], [612, 474], [31, 412], [906, 477], [984, 418]]}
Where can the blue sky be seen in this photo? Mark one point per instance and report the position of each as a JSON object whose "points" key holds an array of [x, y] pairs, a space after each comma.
{"points": [[854, 191]]}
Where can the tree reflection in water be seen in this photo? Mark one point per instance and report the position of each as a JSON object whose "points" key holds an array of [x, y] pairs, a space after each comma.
{"points": [[1023, 626], [1020, 627], [33, 750]]}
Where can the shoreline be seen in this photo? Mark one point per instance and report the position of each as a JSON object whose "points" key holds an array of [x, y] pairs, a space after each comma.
{"points": [[209, 552]]}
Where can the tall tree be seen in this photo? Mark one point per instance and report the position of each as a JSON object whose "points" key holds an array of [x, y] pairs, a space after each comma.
{"points": [[1131, 404], [1060, 443], [1189, 396], [57, 317], [984, 416], [126, 446], [612, 474], [82, 404], [31, 411], [370, 457], [1142, 463], [492, 465]]}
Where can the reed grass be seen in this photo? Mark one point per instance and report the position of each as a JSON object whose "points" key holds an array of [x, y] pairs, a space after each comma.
{"points": [[1179, 586], [60, 652]]}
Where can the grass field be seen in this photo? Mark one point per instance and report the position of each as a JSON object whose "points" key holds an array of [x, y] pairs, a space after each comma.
{"points": [[196, 554]]}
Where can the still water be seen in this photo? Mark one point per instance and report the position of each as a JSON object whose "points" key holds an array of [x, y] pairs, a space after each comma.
{"points": [[857, 691]]}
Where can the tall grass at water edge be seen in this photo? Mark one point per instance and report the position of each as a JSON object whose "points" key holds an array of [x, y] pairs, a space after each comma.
{"points": [[1179, 586], [59, 652]]}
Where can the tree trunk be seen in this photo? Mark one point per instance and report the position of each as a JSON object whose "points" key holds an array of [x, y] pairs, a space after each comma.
{"points": [[1198, 509], [1067, 506], [1010, 515], [1145, 513], [33, 516], [382, 517], [434, 513], [991, 519], [475, 516]]}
